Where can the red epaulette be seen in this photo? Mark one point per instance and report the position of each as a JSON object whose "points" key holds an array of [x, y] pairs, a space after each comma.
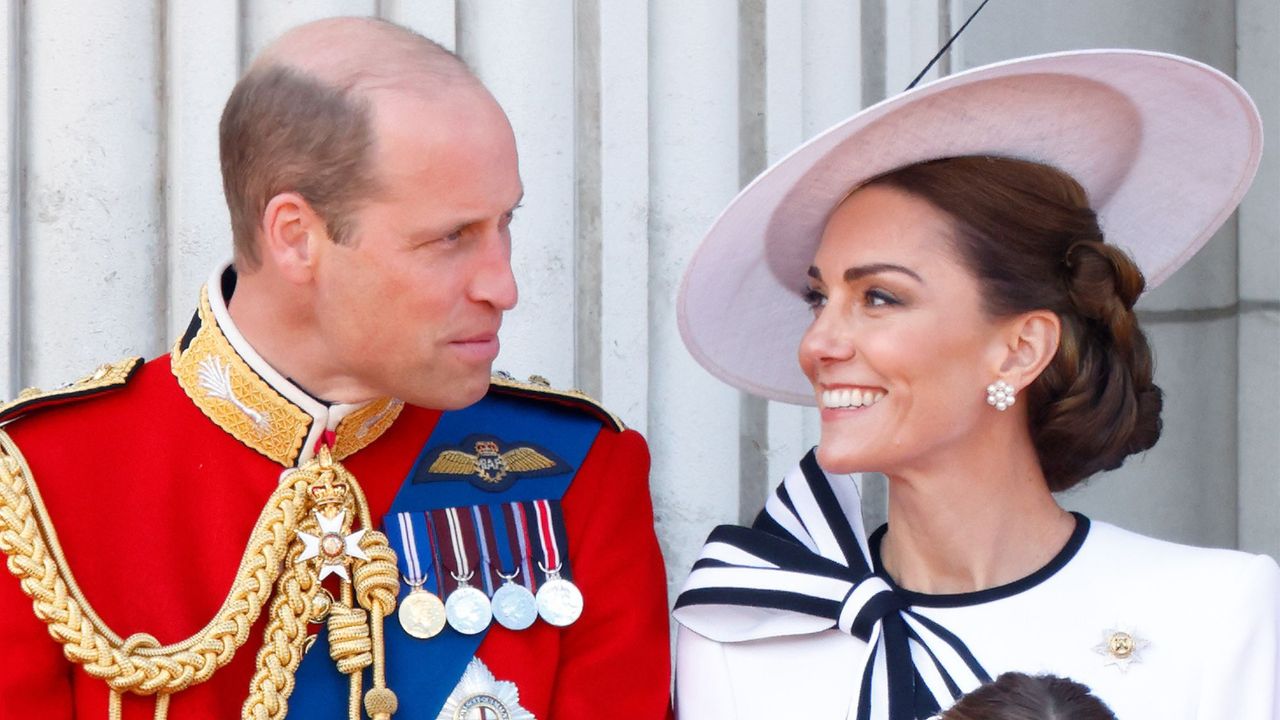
{"points": [[103, 380], [538, 388]]}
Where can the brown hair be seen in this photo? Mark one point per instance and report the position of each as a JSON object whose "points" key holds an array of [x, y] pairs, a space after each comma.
{"points": [[1027, 232], [300, 120], [1015, 696], [284, 131]]}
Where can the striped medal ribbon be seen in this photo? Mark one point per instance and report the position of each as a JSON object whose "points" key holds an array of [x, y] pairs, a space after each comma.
{"points": [[467, 608], [421, 613], [559, 600], [514, 606]]}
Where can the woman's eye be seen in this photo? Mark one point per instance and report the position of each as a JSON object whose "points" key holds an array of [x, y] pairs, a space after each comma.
{"points": [[814, 299], [880, 298]]}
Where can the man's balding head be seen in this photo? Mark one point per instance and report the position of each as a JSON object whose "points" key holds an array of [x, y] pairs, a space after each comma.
{"points": [[363, 54], [301, 119]]}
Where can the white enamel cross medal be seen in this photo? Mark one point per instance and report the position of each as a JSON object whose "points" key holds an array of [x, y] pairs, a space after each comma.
{"points": [[332, 545]]}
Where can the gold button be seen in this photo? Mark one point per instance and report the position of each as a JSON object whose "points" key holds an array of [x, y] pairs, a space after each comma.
{"points": [[1120, 645], [320, 606]]}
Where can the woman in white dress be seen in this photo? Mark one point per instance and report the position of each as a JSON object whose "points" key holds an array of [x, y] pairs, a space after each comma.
{"points": [[966, 329]]}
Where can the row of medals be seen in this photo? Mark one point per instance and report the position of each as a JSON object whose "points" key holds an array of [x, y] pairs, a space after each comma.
{"points": [[469, 610]]}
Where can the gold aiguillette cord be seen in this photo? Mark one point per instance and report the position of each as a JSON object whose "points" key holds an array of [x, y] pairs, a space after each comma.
{"points": [[320, 488]]}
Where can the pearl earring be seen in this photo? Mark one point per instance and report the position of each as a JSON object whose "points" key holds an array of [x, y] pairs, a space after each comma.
{"points": [[1000, 395]]}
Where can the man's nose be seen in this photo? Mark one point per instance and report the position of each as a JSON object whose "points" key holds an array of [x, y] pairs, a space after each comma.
{"points": [[493, 281]]}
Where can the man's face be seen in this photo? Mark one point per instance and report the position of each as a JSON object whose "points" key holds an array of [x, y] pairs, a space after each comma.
{"points": [[411, 306]]}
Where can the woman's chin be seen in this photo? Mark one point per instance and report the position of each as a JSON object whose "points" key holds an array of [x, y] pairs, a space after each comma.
{"points": [[840, 461]]}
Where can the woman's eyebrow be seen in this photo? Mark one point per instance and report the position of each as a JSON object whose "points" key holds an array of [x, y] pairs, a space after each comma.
{"points": [[860, 271]]}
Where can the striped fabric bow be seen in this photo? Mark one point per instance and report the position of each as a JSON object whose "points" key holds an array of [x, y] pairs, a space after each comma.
{"points": [[804, 567]]}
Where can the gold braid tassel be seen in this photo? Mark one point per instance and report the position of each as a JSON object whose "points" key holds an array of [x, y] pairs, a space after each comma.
{"points": [[140, 664], [377, 587]]}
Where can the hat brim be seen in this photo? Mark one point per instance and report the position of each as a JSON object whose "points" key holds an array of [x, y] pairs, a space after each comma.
{"points": [[1164, 146]]}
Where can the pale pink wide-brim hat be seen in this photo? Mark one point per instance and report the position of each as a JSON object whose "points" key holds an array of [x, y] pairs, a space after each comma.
{"points": [[1165, 147]]}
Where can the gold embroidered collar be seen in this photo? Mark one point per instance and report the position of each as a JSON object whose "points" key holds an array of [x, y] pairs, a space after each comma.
{"points": [[236, 389]]}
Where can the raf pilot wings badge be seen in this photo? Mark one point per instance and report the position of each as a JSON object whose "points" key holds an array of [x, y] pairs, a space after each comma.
{"points": [[488, 463]]}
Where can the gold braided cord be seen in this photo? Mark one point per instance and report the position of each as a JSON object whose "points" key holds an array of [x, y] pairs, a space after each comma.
{"points": [[285, 636], [349, 643], [269, 568], [139, 663], [355, 680]]}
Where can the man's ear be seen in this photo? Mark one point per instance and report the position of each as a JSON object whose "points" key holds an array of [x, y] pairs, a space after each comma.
{"points": [[291, 232], [1031, 341]]}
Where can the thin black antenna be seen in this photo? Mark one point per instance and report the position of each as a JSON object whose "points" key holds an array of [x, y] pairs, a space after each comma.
{"points": [[946, 47]]}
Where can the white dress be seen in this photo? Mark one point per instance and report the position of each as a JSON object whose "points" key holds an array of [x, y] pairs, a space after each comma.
{"points": [[1205, 625]]}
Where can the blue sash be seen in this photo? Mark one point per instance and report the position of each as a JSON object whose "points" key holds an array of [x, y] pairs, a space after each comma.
{"points": [[423, 672]]}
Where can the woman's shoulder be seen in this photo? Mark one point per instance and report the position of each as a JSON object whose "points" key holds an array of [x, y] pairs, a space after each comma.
{"points": [[1126, 546], [1197, 572]]}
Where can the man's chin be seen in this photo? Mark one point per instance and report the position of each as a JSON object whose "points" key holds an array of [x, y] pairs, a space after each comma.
{"points": [[450, 394]]}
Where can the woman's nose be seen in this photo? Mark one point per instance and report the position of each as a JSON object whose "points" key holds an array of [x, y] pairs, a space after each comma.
{"points": [[828, 339]]}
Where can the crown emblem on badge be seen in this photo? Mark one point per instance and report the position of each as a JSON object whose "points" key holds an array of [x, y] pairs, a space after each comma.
{"points": [[328, 491], [489, 466]]}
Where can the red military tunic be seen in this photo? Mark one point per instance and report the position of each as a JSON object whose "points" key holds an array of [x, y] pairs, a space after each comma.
{"points": [[153, 488]]}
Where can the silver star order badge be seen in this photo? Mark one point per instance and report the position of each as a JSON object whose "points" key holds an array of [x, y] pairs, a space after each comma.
{"points": [[335, 547], [481, 696], [1121, 646]]}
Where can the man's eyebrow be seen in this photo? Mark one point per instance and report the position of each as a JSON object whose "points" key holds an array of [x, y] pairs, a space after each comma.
{"points": [[459, 227]]}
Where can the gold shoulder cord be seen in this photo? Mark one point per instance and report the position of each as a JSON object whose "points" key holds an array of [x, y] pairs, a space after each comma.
{"points": [[306, 523]]}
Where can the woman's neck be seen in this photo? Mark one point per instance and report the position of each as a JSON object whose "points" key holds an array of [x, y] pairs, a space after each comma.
{"points": [[961, 531]]}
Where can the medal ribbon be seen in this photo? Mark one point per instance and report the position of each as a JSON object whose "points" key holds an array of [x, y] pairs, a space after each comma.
{"points": [[483, 534], [803, 568], [412, 567], [547, 536], [458, 541], [551, 546], [520, 526]]}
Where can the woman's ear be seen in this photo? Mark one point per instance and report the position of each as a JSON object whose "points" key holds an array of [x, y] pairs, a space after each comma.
{"points": [[1031, 342]]}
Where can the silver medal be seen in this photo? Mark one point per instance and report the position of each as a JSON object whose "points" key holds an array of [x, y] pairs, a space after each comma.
{"points": [[559, 601], [468, 609], [514, 607], [422, 614]]}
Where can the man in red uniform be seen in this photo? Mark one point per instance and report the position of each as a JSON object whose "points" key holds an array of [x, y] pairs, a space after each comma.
{"points": [[319, 500]]}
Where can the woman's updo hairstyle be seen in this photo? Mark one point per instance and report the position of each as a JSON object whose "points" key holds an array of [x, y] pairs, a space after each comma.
{"points": [[1027, 233]]}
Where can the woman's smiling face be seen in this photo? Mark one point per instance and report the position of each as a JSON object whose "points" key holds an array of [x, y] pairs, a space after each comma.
{"points": [[900, 351]]}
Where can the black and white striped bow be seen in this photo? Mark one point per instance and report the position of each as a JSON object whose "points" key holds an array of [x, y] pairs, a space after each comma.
{"points": [[804, 567]]}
